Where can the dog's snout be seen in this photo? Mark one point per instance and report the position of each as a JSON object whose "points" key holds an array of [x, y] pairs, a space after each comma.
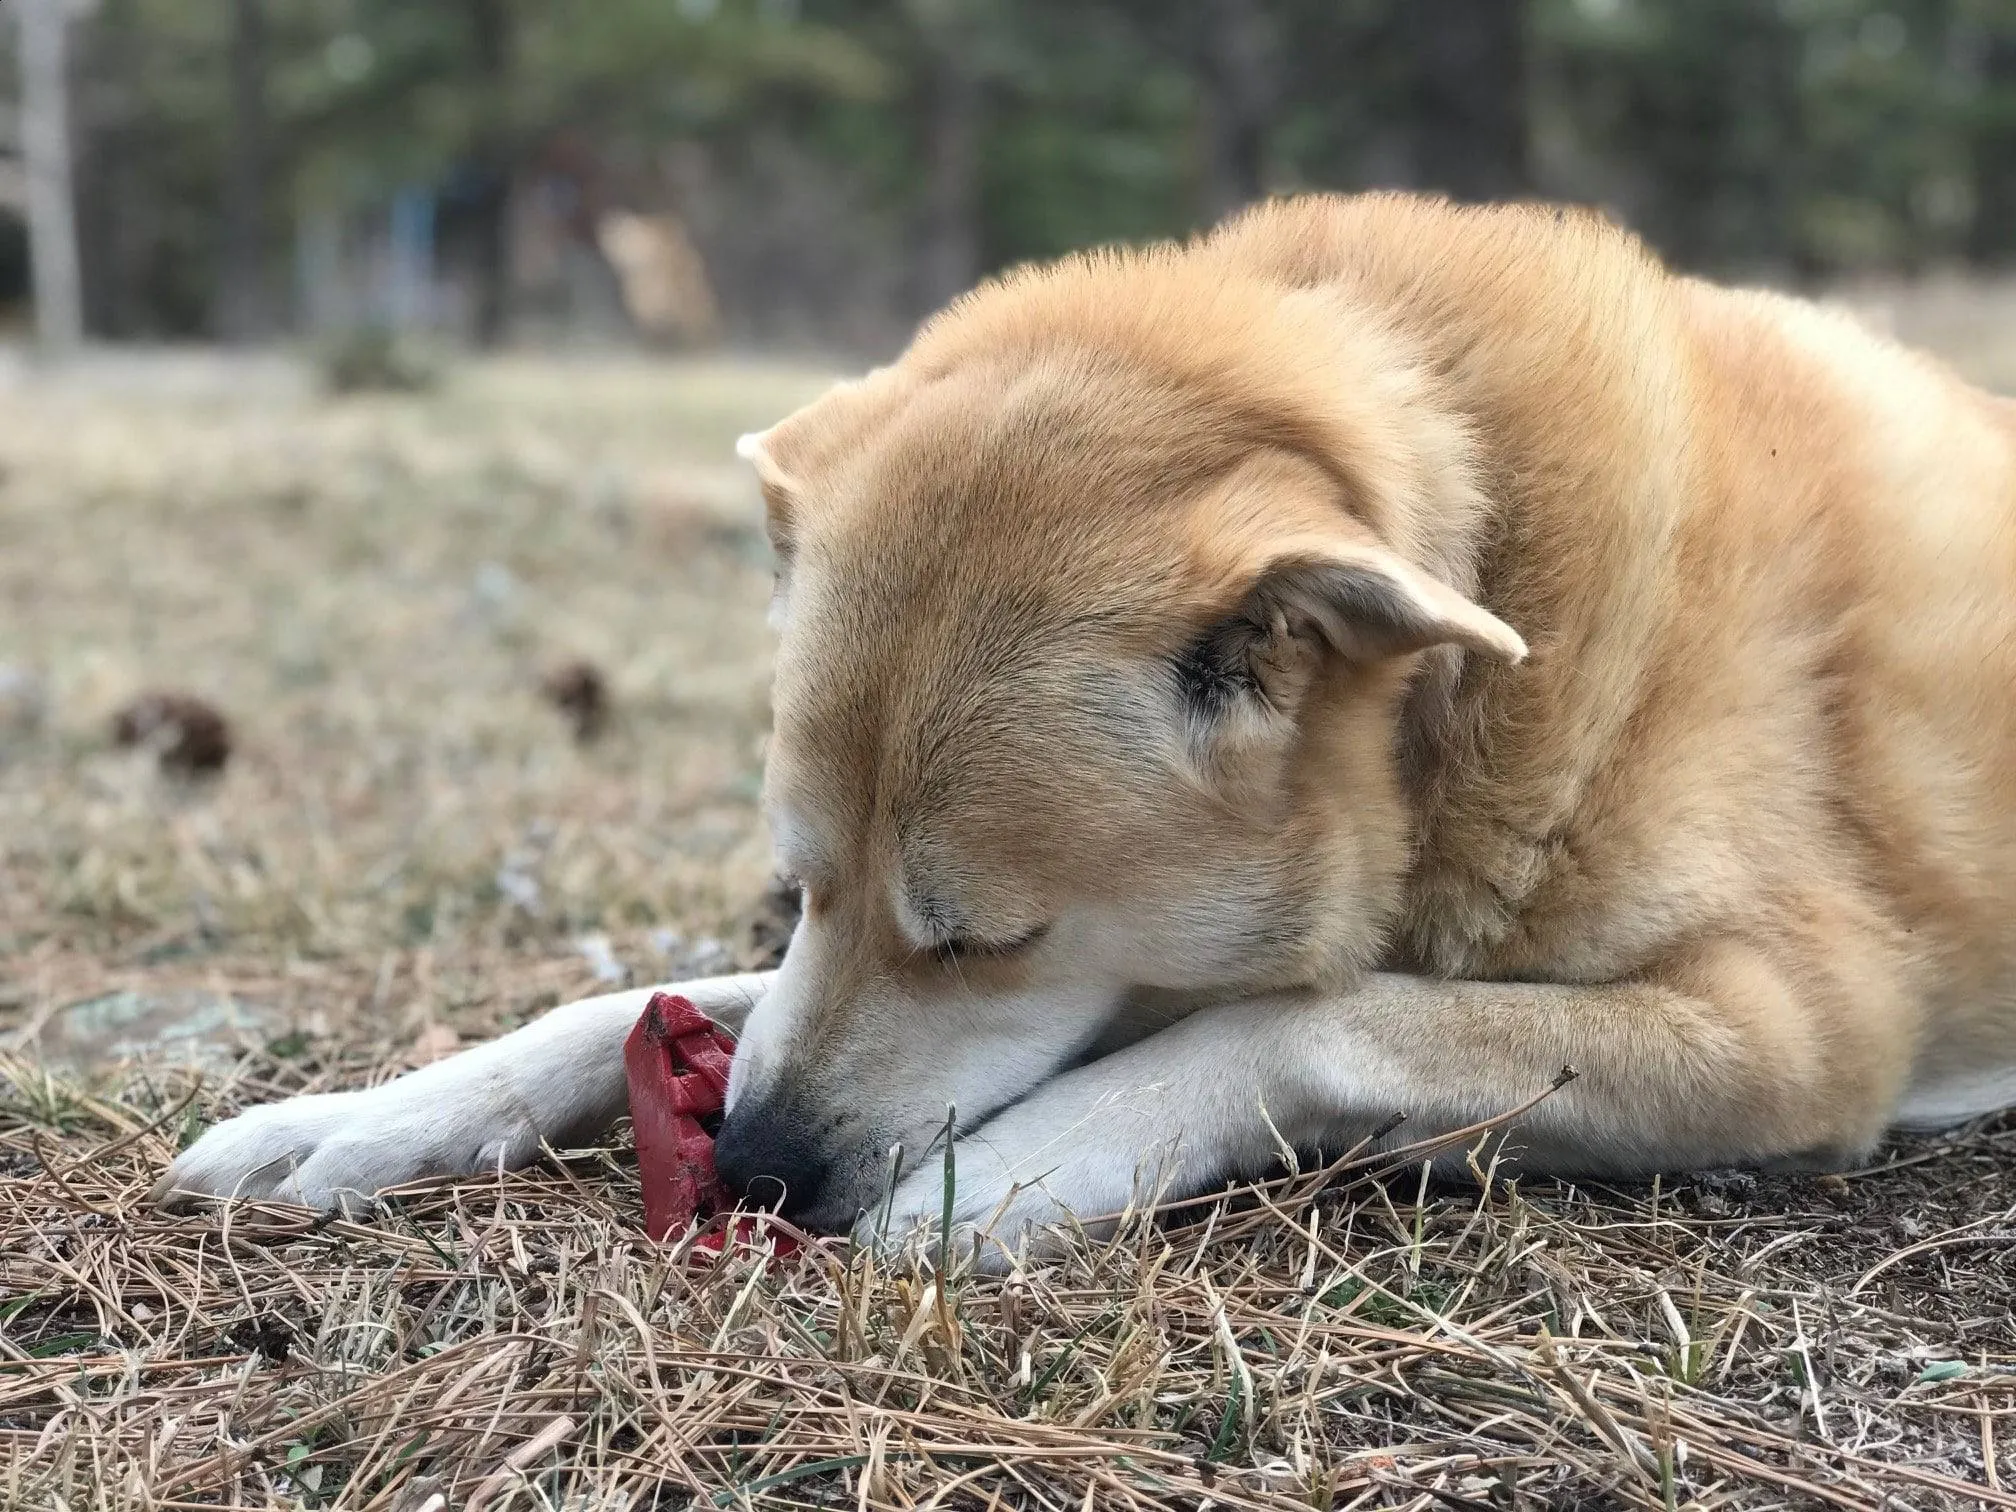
{"points": [[764, 1154]]}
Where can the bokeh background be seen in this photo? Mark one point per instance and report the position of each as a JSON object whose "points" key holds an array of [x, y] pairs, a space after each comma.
{"points": [[817, 173]]}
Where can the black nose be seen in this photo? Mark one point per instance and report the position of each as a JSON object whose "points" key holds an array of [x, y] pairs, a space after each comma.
{"points": [[763, 1153]]}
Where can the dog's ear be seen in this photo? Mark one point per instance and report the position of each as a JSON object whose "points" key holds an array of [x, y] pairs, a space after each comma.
{"points": [[1364, 602], [780, 512], [791, 456], [780, 491], [1360, 602]]}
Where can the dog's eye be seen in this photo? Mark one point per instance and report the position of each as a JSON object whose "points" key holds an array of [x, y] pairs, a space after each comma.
{"points": [[966, 948]]}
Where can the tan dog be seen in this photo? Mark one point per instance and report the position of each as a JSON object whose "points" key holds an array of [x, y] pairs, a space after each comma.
{"points": [[1357, 664]]}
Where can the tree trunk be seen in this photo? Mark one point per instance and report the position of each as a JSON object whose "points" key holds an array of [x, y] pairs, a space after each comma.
{"points": [[244, 309], [948, 260], [1992, 238], [1469, 95], [1237, 74], [490, 212], [45, 148]]}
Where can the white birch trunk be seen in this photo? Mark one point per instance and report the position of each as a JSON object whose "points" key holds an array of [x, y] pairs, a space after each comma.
{"points": [[45, 151]]}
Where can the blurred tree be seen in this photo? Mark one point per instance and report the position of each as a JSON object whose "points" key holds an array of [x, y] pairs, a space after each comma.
{"points": [[45, 150], [842, 165], [243, 303], [1469, 63], [1240, 87], [1093, 135], [490, 156], [954, 99], [1693, 107], [1990, 44]]}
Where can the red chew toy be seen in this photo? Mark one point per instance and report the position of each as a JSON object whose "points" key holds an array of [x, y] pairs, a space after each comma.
{"points": [[677, 1061]]}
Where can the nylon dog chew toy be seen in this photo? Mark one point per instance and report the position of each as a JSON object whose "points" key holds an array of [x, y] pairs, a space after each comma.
{"points": [[676, 1060]]}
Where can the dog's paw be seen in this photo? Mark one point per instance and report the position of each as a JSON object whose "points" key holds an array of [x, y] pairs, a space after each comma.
{"points": [[990, 1205], [492, 1108], [338, 1150], [1069, 1159]]}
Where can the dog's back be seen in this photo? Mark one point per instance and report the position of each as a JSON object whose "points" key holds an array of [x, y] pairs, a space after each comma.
{"points": [[1766, 561]]}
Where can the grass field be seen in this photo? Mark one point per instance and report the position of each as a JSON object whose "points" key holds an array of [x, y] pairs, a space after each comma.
{"points": [[409, 850]]}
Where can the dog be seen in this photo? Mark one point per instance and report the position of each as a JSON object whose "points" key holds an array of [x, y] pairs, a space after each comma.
{"points": [[1359, 662]]}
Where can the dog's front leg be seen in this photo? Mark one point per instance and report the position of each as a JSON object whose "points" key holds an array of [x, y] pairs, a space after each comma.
{"points": [[1719, 1061], [558, 1079]]}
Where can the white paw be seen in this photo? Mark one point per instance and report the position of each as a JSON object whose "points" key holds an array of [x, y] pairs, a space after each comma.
{"points": [[558, 1079], [1074, 1155], [338, 1150]]}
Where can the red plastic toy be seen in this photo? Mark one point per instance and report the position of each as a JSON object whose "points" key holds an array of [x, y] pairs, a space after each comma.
{"points": [[677, 1062]]}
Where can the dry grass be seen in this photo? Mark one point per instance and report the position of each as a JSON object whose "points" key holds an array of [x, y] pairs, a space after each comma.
{"points": [[409, 847]]}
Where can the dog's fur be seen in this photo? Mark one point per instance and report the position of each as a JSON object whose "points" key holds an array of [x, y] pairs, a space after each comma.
{"points": [[1358, 663]]}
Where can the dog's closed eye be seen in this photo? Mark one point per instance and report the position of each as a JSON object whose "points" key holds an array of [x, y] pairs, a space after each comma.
{"points": [[969, 947]]}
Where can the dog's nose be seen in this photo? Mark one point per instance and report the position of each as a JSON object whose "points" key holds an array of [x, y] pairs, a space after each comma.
{"points": [[769, 1161]]}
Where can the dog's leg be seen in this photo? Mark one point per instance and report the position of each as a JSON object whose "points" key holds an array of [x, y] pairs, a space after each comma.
{"points": [[559, 1079], [1720, 1062]]}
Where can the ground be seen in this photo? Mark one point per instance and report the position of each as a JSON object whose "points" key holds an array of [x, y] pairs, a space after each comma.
{"points": [[408, 849]]}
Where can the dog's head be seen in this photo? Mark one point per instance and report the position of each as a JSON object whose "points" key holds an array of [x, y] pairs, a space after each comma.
{"points": [[1096, 614]]}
